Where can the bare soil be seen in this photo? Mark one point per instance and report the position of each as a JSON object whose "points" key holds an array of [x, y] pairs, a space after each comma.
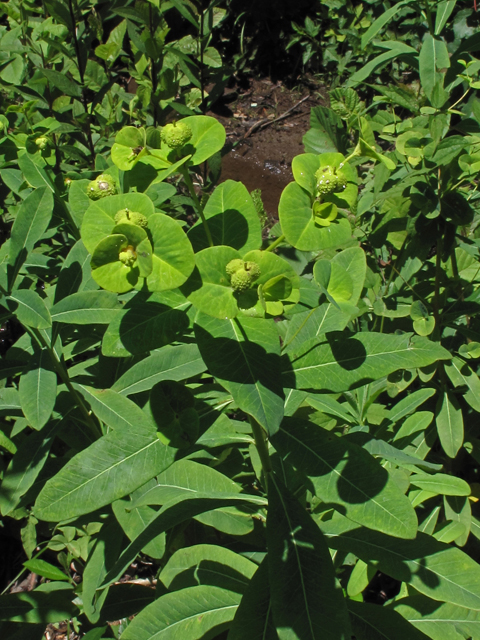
{"points": [[262, 142]]}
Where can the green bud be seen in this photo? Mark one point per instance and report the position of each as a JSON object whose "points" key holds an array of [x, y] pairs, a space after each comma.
{"points": [[128, 256], [234, 265], [243, 275], [125, 216], [67, 182], [2, 126], [42, 142], [101, 187], [176, 134], [330, 180]]}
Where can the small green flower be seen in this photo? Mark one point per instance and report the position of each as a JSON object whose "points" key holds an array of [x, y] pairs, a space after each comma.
{"points": [[176, 134], [329, 180], [103, 186], [125, 216], [128, 256], [242, 274], [42, 142]]}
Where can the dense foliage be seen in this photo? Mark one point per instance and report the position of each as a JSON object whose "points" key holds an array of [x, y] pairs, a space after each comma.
{"points": [[263, 424]]}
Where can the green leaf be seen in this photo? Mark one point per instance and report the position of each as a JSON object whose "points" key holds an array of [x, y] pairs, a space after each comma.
{"points": [[444, 11], [38, 390], [346, 476], [449, 421], [134, 519], [243, 355], [208, 137], [433, 568], [101, 558], [25, 467], [433, 63], [441, 621], [232, 220], [316, 322], [109, 469], [191, 613], [34, 173], [207, 564], [45, 569], [186, 478], [298, 223], [87, 307], [129, 147], [30, 224], [253, 620], [37, 606], [440, 483], [371, 622], [117, 411], [342, 361], [173, 259], [462, 375], [380, 22], [168, 363], [147, 322], [61, 82], [174, 512], [306, 603], [400, 49], [29, 308], [327, 133]]}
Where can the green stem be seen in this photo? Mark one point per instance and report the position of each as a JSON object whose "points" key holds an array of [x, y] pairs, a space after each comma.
{"points": [[196, 202], [63, 374], [262, 447], [275, 243], [438, 268]]}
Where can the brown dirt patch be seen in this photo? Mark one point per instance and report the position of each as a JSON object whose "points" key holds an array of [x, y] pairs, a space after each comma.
{"points": [[261, 157]]}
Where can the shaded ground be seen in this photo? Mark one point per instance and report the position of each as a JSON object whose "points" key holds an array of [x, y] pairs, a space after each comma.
{"points": [[263, 142]]}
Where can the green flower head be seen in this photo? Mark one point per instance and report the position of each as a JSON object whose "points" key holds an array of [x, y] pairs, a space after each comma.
{"points": [[330, 180], [103, 186], [42, 142], [242, 274], [125, 216], [128, 256], [176, 134]]}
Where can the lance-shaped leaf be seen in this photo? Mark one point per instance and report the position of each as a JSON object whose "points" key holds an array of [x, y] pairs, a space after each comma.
{"points": [[109, 469], [87, 307], [433, 568], [345, 361], [168, 363], [253, 620], [29, 308], [30, 224], [38, 606], [38, 390], [243, 355], [345, 475], [449, 421], [208, 564], [306, 603], [192, 614], [371, 622], [437, 619], [175, 512]]}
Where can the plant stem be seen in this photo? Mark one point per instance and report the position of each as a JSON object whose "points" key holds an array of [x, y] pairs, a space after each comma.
{"points": [[63, 373], [438, 268], [275, 243], [262, 446], [196, 202]]}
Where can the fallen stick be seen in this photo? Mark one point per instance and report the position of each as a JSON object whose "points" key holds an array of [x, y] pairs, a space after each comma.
{"points": [[263, 124]]}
